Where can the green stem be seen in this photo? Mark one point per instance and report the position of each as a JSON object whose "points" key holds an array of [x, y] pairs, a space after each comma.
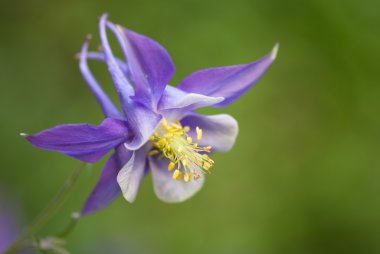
{"points": [[69, 228], [45, 215]]}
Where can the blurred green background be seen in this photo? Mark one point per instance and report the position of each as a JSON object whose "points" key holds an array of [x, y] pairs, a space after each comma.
{"points": [[304, 174]]}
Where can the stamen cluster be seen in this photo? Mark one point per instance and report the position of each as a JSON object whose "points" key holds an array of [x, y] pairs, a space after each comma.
{"points": [[186, 157]]}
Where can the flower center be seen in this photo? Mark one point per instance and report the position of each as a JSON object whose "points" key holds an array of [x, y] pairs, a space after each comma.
{"points": [[186, 157]]}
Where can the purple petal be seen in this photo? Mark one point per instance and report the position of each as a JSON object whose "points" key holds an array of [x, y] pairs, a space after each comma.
{"points": [[82, 141], [130, 176], [219, 131], [149, 64], [142, 122], [121, 83], [229, 82], [141, 119], [174, 102], [108, 108], [107, 188], [167, 189]]}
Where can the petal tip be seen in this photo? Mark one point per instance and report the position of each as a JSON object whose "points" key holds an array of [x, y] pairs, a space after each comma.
{"points": [[129, 199], [126, 194], [87, 211], [104, 14], [88, 38], [25, 135], [274, 51]]}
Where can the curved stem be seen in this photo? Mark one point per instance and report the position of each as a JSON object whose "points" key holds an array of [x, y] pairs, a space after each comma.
{"points": [[69, 228], [45, 214]]}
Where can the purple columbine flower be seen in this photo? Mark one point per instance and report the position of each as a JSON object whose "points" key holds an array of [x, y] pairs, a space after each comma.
{"points": [[158, 129]]}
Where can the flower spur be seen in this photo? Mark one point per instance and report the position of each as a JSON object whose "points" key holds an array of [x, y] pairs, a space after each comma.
{"points": [[158, 130]]}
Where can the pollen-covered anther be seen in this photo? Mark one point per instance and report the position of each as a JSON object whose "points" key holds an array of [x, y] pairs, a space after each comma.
{"points": [[177, 175], [196, 175], [171, 166], [187, 157], [187, 177], [153, 152], [199, 133]]}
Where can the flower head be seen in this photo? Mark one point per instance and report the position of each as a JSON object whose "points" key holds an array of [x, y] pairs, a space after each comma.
{"points": [[157, 129]]}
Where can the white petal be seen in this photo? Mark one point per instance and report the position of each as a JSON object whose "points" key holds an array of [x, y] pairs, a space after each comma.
{"points": [[166, 188], [219, 131], [130, 176]]}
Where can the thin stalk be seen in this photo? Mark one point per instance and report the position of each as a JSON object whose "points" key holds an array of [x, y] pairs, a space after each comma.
{"points": [[69, 228], [45, 214]]}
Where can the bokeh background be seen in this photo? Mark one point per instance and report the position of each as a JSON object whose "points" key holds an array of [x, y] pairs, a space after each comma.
{"points": [[304, 174]]}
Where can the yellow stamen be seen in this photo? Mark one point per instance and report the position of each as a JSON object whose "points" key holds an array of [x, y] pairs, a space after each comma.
{"points": [[172, 141], [206, 165], [168, 135], [171, 166], [199, 133], [177, 175], [164, 122], [196, 175], [154, 152], [187, 177]]}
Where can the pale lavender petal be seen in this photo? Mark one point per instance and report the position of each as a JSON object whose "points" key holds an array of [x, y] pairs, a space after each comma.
{"points": [[166, 188], [229, 82], [174, 102], [107, 188], [108, 108], [150, 66], [219, 131], [131, 174], [82, 141]]}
